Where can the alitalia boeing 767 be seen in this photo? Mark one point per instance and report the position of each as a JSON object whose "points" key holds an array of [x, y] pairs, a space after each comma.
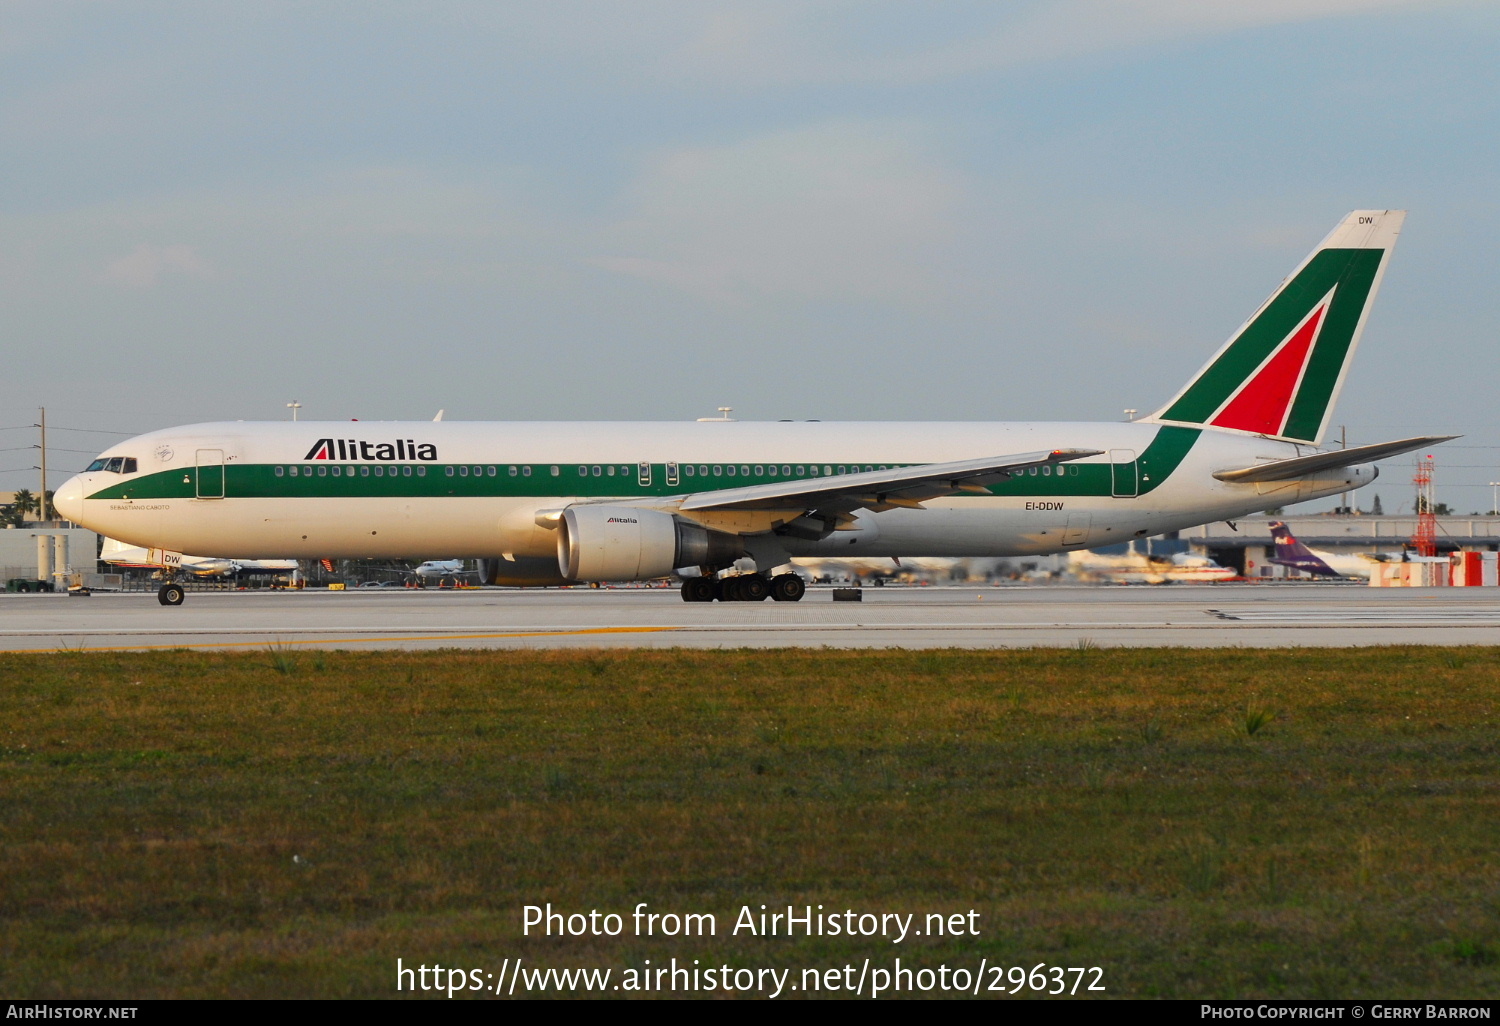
{"points": [[553, 503]]}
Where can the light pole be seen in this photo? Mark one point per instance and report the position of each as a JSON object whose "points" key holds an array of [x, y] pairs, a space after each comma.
{"points": [[294, 406], [1494, 497]]}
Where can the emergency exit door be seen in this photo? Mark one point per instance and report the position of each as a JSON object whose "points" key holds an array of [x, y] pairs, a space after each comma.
{"points": [[1124, 478], [210, 475]]}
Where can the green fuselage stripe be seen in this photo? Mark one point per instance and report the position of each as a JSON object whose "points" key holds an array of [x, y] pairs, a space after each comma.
{"points": [[316, 479]]}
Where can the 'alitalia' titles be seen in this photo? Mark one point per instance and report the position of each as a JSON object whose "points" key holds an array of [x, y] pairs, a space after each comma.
{"points": [[358, 449]]}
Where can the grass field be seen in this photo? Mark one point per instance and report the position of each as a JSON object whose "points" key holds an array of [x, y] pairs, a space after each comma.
{"points": [[1197, 823]]}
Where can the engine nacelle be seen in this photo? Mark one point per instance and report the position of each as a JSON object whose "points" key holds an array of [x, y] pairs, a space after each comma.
{"points": [[620, 543], [521, 572]]}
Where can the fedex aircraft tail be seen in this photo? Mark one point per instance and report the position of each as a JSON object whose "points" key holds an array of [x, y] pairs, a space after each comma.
{"points": [[1290, 552], [1281, 372]]}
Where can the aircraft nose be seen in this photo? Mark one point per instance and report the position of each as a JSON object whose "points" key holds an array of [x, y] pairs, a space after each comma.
{"points": [[68, 500]]}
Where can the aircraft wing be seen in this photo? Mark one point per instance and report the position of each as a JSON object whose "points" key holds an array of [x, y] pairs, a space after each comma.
{"points": [[1302, 466], [880, 490]]}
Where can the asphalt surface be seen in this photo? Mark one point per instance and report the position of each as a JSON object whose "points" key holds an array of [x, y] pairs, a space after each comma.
{"points": [[1252, 615]]}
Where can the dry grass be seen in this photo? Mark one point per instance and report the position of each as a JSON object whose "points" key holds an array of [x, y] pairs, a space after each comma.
{"points": [[274, 824]]}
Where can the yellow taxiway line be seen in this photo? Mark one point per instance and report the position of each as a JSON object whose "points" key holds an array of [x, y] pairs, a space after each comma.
{"points": [[346, 641]]}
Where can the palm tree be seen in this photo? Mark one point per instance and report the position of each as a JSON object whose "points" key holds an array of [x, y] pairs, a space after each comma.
{"points": [[24, 502]]}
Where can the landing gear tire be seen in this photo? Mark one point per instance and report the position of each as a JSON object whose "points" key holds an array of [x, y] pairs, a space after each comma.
{"points": [[788, 588], [754, 588], [698, 589], [170, 594], [728, 589]]}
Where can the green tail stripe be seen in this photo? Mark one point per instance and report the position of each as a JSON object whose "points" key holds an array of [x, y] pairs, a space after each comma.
{"points": [[1353, 272]]}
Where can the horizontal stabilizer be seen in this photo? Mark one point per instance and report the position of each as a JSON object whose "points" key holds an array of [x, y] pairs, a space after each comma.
{"points": [[880, 489], [1306, 466]]}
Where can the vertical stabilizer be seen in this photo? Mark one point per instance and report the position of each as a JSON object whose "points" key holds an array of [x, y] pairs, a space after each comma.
{"points": [[1281, 372], [1290, 552]]}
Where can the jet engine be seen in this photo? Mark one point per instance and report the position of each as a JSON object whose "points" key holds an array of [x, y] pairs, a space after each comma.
{"points": [[620, 543], [522, 572]]}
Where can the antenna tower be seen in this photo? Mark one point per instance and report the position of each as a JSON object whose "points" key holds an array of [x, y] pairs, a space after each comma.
{"points": [[1425, 538]]}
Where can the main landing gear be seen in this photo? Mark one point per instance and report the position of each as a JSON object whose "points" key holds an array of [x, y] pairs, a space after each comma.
{"points": [[744, 588], [170, 594]]}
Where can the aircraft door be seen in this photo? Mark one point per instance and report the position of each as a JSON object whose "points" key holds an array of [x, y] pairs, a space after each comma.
{"points": [[210, 475], [1077, 530], [1124, 480]]}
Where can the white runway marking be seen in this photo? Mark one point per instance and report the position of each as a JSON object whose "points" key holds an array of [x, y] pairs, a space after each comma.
{"points": [[1354, 617]]}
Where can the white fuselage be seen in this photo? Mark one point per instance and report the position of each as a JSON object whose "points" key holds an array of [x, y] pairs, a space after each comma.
{"points": [[473, 490]]}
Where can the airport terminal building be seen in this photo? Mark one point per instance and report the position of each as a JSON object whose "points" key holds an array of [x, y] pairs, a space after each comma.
{"points": [[1245, 545]]}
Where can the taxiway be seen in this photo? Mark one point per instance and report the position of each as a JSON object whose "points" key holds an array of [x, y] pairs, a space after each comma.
{"points": [[967, 617]]}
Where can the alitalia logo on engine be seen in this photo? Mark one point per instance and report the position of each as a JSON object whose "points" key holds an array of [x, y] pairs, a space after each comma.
{"points": [[359, 449]]}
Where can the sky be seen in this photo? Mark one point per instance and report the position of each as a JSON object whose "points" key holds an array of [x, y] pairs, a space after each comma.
{"points": [[1036, 210]]}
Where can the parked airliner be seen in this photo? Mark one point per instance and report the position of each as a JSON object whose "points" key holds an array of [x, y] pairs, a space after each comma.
{"points": [[552, 503]]}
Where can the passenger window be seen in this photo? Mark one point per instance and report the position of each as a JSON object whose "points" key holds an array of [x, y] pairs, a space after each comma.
{"points": [[702, 470], [307, 471], [379, 471], [718, 470], [611, 470], [294, 471], [583, 471], [365, 471], [449, 471], [322, 471], [463, 471], [280, 471], [478, 471], [421, 471], [801, 470], [526, 471], [394, 471], [406, 471], [338, 471], [512, 471], [1047, 471], [759, 470], [688, 470], [730, 470], [1033, 472], [598, 473], [744, 471], [827, 470], [786, 471], [490, 471], [556, 471]]}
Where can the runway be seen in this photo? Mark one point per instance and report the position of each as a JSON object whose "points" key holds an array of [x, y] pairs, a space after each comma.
{"points": [[965, 617]]}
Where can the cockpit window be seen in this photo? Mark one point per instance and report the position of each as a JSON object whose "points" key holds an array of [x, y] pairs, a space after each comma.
{"points": [[115, 465]]}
